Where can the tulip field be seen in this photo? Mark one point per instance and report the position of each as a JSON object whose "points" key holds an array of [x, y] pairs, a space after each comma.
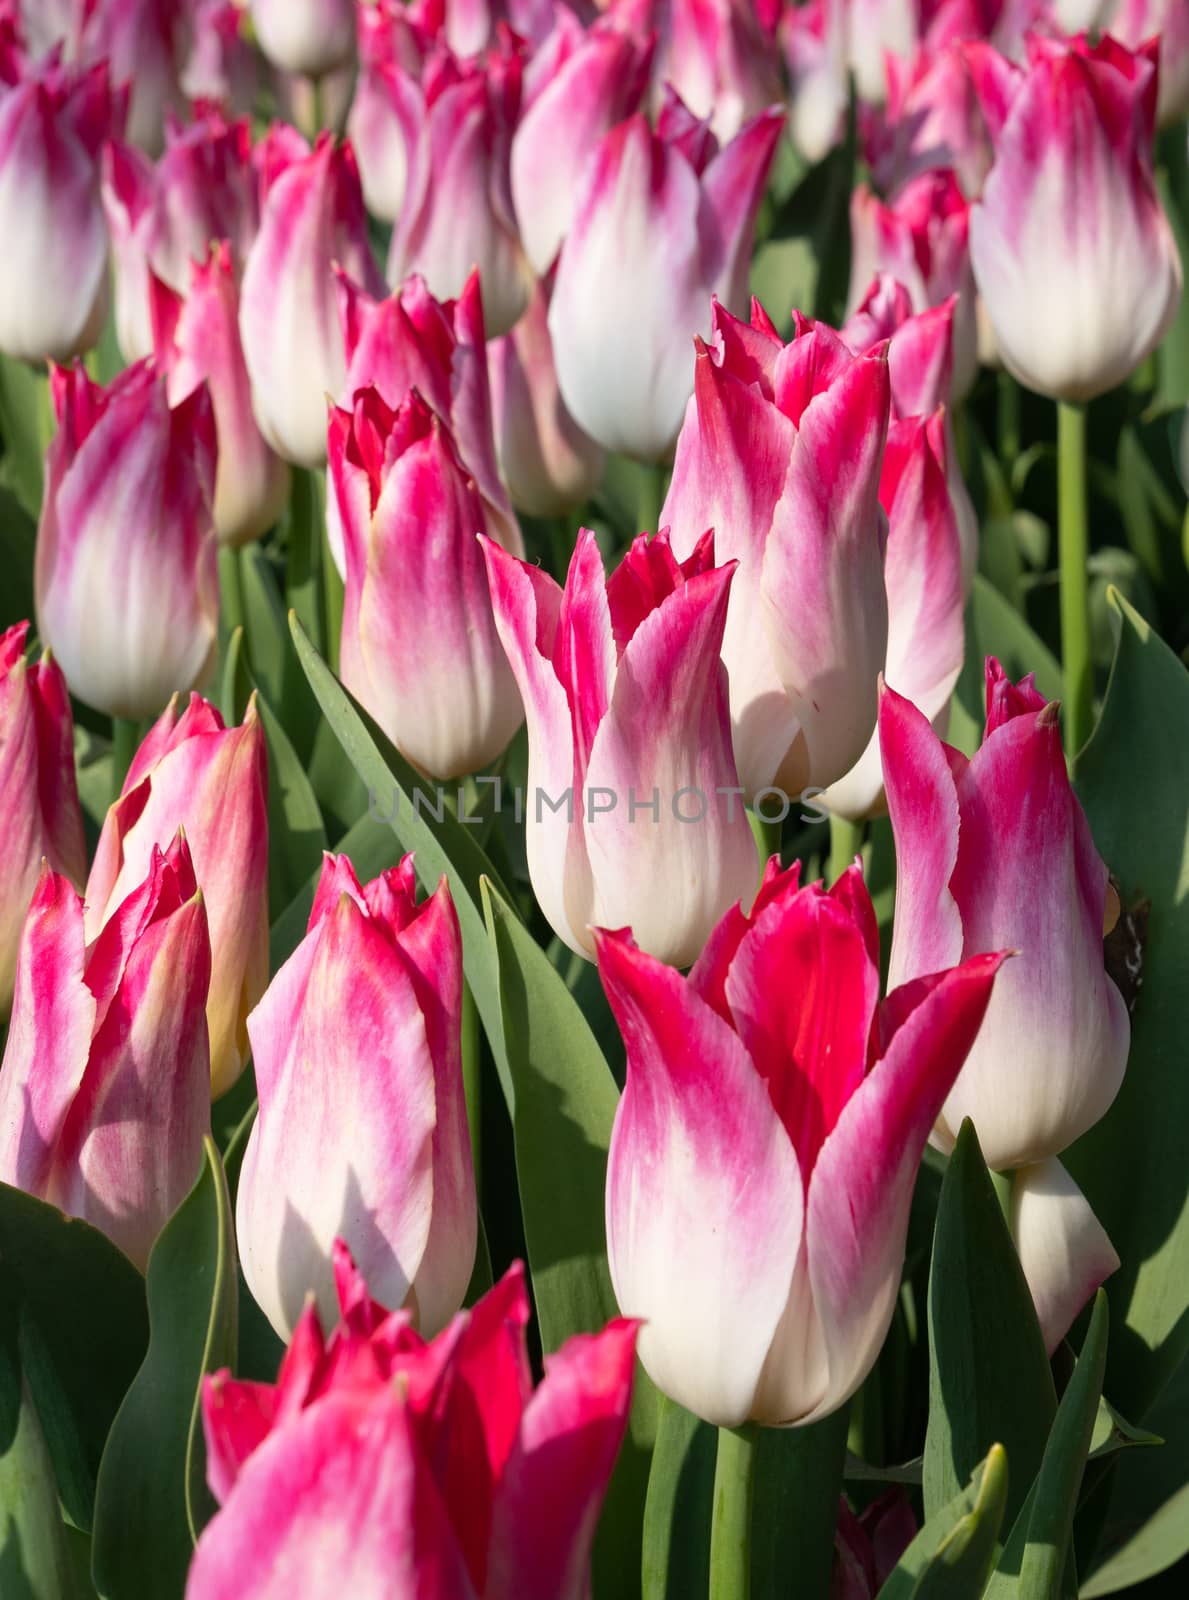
{"points": [[594, 799]]}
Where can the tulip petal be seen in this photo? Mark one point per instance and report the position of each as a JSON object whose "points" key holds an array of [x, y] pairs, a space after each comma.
{"points": [[1063, 1247]]}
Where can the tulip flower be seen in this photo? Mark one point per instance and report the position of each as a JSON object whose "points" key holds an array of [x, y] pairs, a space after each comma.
{"points": [[395, 40], [53, 276], [996, 851], [931, 121], [719, 59], [311, 37], [141, 41], [766, 1144], [125, 576], [633, 811], [104, 1088], [922, 239], [868, 1547], [38, 792], [550, 466], [196, 341], [1073, 255], [163, 218], [780, 453], [458, 210], [362, 1129], [419, 644], [289, 321], [412, 1468], [220, 65], [1133, 22], [191, 772], [817, 80], [661, 223]]}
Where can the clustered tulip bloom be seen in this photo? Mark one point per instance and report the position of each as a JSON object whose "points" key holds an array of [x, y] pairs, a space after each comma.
{"points": [[127, 514], [780, 453], [436, 1467], [766, 1145], [633, 811], [306, 36], [105, 1083], [192, 772], [395, 40], [38, 790], [362, 1129], [996, 852], [719, 58]]}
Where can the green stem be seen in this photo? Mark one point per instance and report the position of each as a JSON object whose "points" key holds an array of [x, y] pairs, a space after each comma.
{"points": [[730, 1525], [1008, 396], [332, 578], [125, 739], [304, 557], [767, 833], [846, 839], [1001, 1182], [231, 591], [1073, 543], [650, 497], [471, 1080]]}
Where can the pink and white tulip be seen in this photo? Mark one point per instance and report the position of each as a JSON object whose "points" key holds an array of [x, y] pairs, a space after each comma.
{"points": [[105, 1084], [38, 791], [141, 41], [362, 1128], [663, 221], [633, 812], [419, 644], [719, 59], [766, 1145], [313, 221], [817, 80], [1133, 23], [395, 41], [780, 453], [220, 63], [996, 850], [434, 1466], [125, 575], [932, 121], [311, 37], [1073, 255], [212, 782], [196, 341]]}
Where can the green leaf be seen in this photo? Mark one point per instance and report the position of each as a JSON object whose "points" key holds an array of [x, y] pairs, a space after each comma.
{"points": [[995, 628], [57, 1264], [1172, 359], [1133, 778], [260, 1349], [675, 1562], [1113, 1432], [952, 1554], [152, 1501], [18, 539], [25, 424], [989, 1377], [270, 650], [798, 1483]]}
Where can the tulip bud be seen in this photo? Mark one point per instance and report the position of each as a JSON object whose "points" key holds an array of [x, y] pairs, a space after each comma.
{"points": [[549, 464], [191, 772], [668, 223], [126, 575], [140, 40], [38, 792], [104, 1088], [289, 320], [164, 217], [780, 453], [1073, 255], [433, 1462], [362, 1130], [311, 37], [196, 341], [996, 850], [395, 40], [1133, 22], [53, 276], [766, 1144], [633, 812], [458, 210]]}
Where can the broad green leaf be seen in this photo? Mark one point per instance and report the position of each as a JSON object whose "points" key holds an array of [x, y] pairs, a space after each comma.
{"points": [[995, 628], [676, 1555], [260, 1347], [989, 1377], [1113, 1432], [58, 1265], [270, 649], [1133, 780], [25, 423], [1172, 359], [18, 538], [152, 1501], [798, 1482], [952, 1555]]}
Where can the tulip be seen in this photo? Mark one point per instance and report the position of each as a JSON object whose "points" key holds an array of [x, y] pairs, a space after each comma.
{"points": [[140, 40], [996, 850], [817, 80], [458, 210], [46, 23], [311, 37], [765, 1147], [104, 1088], [197, 341], [162, 218], [1073, 255], [191, 772], [550, 466], [38, 792], [931, 121], [632, 812], [362, 1128], [595, 79], [922, 239], [780, 453], [289, 321], [412, 1468], [125, 576], [53, 281], [666, 223], [719, 59], [1132, 22], [868, 1547], [419, 644], [395, 40], [220, 65], [868, 32]]}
